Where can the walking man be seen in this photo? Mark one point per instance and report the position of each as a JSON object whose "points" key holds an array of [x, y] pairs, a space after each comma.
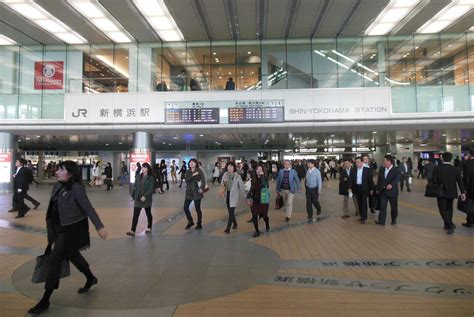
{"points": [[405, 174], [361, 184], [287, 185], [344, 179], [314, 186], [387, 189]]}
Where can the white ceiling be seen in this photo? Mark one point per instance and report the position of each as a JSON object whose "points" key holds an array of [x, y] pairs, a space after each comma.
{"points": [[229, 19]]}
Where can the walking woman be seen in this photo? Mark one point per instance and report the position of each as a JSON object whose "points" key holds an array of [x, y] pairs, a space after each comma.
{"points": [[173, 168], [182, 171], [68, 230], [258, 198], [164, 175], [233, 187], [215, 173], [95, 174], [194, 192], [158, 178], [143, 190], [108, 176]]}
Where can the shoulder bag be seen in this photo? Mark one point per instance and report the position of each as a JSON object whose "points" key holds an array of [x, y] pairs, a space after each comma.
{"points": [[39, 274]]}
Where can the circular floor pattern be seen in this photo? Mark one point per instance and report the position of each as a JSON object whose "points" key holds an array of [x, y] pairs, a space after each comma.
{"points": [[159, 271]]}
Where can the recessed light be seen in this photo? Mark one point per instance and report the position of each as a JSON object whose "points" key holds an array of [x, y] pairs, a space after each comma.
{"points": [[201, 135], [106, 144], [27, 138], [175, 137], [164, 142], [38, 136], [374, 132], [120, 143], [444, 134], [169, 143]]}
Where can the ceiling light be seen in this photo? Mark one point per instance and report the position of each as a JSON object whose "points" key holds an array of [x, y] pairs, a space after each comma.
{"points": [[390, 16], [446, 16], [374, 132], [45, 20], [96, 14], [201, 135], [27, 138], [158, 16], [120, 143], [6, 40], [106, 144], [249, 52]]}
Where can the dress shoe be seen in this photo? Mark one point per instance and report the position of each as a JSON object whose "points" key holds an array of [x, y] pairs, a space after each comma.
{"points": [[234, 226], [318, 212], [451, 230], [20, 216], [189, 225], [362, 222], [88, 286], [198, 226], [372, 211], [256, 234], [409, 190], [39, 308], [12, 210], [393, 223], [287, 219], [131, 233], [36, 206], [345, 216], [469, 225], [148, 231], [227, 231], [379, 223]]}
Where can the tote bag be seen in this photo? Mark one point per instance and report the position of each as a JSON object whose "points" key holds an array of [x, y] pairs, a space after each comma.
{"points": [[39, 274]]}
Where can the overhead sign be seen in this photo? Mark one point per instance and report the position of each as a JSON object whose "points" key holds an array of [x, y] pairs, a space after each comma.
{"points": [[5, 167], [192, 116], [256, 115], [49, 75], [138, 157]]}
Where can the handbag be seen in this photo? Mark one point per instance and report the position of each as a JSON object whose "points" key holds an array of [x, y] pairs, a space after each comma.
{"points": [[39, 274], [264, 195], [222, 191], [248, 185], [279, 202], [434, 190]]}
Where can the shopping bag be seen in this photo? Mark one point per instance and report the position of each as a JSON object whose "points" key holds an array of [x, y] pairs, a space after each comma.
{"points": [[221, 191], [410, 180], [39, 274], [279, 202], [265, 195], [99, 182]]}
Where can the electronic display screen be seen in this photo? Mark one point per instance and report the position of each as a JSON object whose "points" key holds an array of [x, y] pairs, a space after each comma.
{"points": [[192, 116], [256, 115]]}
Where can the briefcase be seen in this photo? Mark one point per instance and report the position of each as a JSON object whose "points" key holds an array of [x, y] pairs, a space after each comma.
{"points": [[466, 206], [279, 202], [434, 190], [39, 274]]}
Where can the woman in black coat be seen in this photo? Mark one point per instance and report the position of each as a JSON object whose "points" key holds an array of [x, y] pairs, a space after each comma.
{"points": [[164, 175], [182, 171], [142, 195], [68, 229]]}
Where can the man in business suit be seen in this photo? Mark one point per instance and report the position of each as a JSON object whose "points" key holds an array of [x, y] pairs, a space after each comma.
{"points": [[371, 197], [405, 173], [287, 185], [387, 189], [448, 175], [344, 179], [21, 184], [360, 184], [468, 177]]}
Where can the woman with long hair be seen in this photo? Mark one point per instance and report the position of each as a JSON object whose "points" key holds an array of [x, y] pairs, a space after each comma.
{"points": [[258, 198], [95, 174], [68, 230], [194, 192], [164, 175], [182, 171], [233, 187], [142, 195]]}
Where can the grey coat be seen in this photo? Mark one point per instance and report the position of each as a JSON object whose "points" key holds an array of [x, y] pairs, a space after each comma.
{"points": [[74, 205], [192, 187], [236, 189]]}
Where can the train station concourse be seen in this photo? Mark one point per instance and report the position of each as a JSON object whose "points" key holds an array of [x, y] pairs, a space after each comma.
{"points": [[237, 158]]}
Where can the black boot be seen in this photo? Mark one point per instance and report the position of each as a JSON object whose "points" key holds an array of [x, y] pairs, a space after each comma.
{"points": [[234, 226], [91, 280], [43, 304], [267, 224]]}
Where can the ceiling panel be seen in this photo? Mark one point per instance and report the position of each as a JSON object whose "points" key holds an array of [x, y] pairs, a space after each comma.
{"points": [[308, 12], [218, 19], [131, 19], [19, 23], [277, 11], [65, 13], [364, 15], [426, 13], [334, 18], [16, 35], [463, 24], [187, 19], [247, 13]]}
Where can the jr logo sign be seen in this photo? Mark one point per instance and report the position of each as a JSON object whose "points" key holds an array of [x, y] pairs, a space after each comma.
{"points": [[80, 112]]}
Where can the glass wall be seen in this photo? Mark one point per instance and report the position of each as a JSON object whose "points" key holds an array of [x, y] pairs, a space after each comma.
{"points": [[427, 72]]}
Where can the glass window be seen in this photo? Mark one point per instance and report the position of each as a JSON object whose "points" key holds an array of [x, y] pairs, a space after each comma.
{"points": [[99, 68], [374, 61], [31, 59], [401, 61], [249, 68], [148, 63], [348, 55], [223, 67], [174, 66], [76, 73], [199, 65], [428, 62], [453, 59], [9, 56], [274, 73], [298, 57], [8, 106], [324, 66], [470, 61]]}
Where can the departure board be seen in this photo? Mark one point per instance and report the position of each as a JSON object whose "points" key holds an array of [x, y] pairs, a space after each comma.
{"points": [[256, 115], [192, 116]]}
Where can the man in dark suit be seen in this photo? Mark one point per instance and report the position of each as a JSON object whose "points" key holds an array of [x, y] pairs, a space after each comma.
{"points": [[448, 176], [387, 189], [405, 174], [361, 184], [468, 177], [344, 179], [21, 184], [372, 197]]}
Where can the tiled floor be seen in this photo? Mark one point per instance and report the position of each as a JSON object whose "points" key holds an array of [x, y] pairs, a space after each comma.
{"points": [[334, 267]]}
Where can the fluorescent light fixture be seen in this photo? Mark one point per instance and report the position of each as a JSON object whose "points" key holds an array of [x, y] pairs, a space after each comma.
{"points": [[390, 16], [340, 64], [447, 16], [109, 63], [319, 53], [45, 20], [343, 56], [160, 19], [96, 14], [4, 40]]}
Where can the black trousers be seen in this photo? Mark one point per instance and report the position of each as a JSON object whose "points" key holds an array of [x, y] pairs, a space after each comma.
{"points": [[262, 211], [109, 183], [372, 200], [31, 199], [445, 207], [136, 215], [197, 205], [231, 212], [404, 180], [56, 258], [361, 198], [18, 203], [215, 179], [165, 181], [333, 173], [312, 199], [384, 200]]}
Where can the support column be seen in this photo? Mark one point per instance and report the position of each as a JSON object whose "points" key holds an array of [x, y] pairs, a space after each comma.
{"points": [[40, 167], [8, 155], [142, 152], [381, 63]]}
